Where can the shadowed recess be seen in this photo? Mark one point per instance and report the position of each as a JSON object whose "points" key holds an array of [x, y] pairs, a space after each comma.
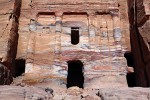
{"points": [[75, 74], [74, 35], [19, 67], [131, 79]]}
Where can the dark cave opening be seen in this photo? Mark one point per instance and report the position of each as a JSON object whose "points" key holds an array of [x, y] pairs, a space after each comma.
{"points": [[19, 67], [74, 35], [131, 78], [129, 58], [75, 74]]}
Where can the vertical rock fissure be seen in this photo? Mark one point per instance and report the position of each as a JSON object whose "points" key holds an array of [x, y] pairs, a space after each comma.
{"points": [[137, 43], [13, 38]]}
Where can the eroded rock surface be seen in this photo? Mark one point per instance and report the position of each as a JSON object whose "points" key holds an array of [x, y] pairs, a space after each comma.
{"points": [[34, 93], [5, 75], [23, 93], [9, 23]]}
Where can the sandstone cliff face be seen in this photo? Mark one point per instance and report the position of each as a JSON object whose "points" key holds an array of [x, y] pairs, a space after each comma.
{"points": [[103, 31], [9, 12], [139, 26], [40, 33], [6, 11], [6, 21]]}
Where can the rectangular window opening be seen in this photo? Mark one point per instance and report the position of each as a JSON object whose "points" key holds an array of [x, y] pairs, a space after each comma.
{"points": [[74, 35]]}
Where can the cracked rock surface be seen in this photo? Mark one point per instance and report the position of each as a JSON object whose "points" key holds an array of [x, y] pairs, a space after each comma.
{"points": [[35, 93]]}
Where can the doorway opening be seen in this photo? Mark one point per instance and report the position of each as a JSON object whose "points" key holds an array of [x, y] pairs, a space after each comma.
{"points": [[131, 79], [19, 67], [74, 35], [75, 74]]}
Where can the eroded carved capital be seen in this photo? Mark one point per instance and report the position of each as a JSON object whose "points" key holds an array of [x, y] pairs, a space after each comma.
{"points": [[58, 14], [114, 12], [91, 13]]}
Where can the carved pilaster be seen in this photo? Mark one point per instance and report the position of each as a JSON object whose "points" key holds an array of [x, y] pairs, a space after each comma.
{"points": [[91, 30], [30, 53], [116, 25], [58, 22], [58, 32], [34, 15]]}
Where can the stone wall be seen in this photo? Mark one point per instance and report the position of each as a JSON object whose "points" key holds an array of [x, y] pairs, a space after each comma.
{"points": [[45, 40]]}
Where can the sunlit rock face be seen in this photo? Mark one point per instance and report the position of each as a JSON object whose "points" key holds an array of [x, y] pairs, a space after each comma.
{"points": [[6, 10], [6, 20]]}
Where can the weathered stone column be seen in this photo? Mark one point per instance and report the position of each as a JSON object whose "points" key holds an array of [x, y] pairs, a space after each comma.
{"points": [[30, 53], [58, 37], [104, 35], [117, 30], [116, 24], [118, 57], [31, 46], [91, 30]]}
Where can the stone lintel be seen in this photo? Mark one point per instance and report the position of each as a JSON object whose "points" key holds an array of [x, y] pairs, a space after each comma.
{"points": [[98, 7]]}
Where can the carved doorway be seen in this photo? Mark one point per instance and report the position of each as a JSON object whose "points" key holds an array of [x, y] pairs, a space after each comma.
{"points": [[75, 74]]}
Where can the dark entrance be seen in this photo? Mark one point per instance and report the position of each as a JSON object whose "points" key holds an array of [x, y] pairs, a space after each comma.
{"points": [[131, 79], [75, 74], [74, 35], [19, 67]]}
